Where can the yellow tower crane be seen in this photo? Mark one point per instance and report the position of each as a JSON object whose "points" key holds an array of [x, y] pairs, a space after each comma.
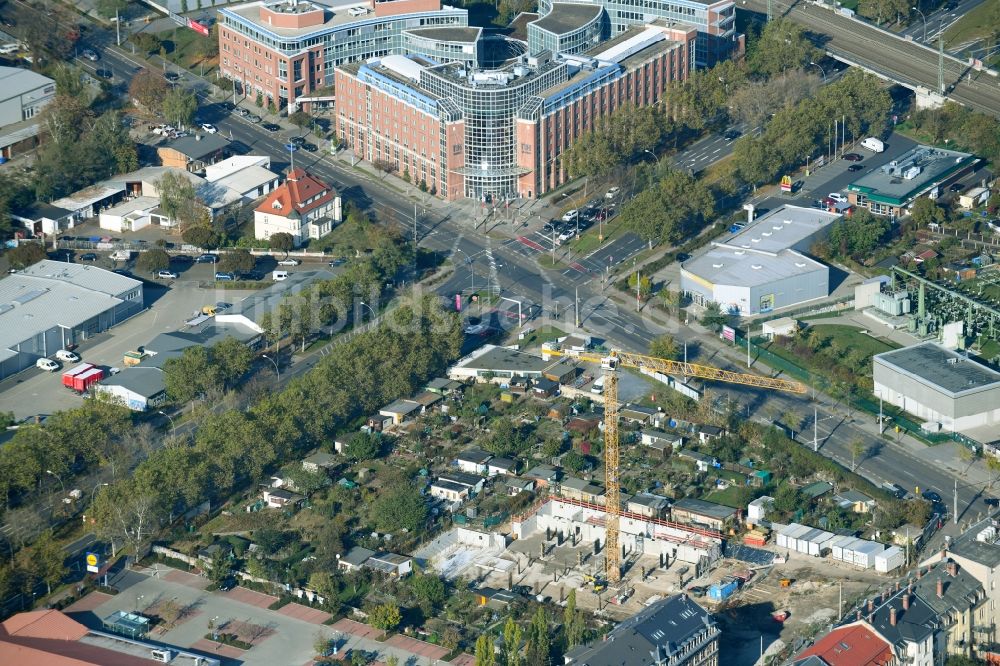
{"points": [[612, 492]]}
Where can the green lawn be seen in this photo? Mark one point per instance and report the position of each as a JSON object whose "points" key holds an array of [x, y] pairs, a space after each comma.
{"points": [[729, 497], [184, 47], [976, 24], [850, 337]]}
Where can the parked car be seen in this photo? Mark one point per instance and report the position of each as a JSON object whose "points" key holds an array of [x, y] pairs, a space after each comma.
{"points": [[288, 261], [225, 277], [731, 134], [309, 147], [67, 356], [291, 147], [837, 197], [166, 275], [181, 259], [254, 118], [570, 215], [206, 259], [171, 76], [104, 73], [956, 187], [271, 127], [853, 157], [992, 501], [46, 364], [90, 54], [245, 113], [297, 140], [210, 128], [931, 496], [89, 256], [227, 106], [612, 193], [340, 261], [855, 167]]}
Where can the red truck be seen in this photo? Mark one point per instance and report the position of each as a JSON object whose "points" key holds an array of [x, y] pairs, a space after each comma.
{"points": [[82, 376]]}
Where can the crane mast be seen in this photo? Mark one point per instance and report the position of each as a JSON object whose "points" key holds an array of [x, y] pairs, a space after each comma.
{"points": [[612, 485]]}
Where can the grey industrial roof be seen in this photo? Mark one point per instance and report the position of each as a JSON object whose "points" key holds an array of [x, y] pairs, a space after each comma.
{"points": [[456, 33], [199, 145], [474, 456], [502, 359], [887, 184], [146, 381], [568, 16], [204, 335], [704, 508], [763, 252], [401, 407], [940, 368], [84, 276], [461, 478], [650, 500], [663, 629], [15, 81], [982, 552], [264, 301], [247, 179]]}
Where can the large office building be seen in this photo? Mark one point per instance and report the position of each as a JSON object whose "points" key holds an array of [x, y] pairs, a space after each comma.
{"points": [[497, 134], [23, 95], [52, 305], [939, 386], [921, 171], [764, 266]]}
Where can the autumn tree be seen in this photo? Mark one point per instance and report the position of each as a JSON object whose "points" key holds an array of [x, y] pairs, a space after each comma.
{"points": [[179, 106], [148, 89], [675, 206], [512, 643], [179, 201], [485, 654], [153, 260], [26, 254], [282, 241], [238, 261], [385, 616]]}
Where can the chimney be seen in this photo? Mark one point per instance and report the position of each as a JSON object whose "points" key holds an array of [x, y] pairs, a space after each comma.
{"points": [[892, 616], [897, 586], [940, 588], [920, 574], [859, 615], [953, 568], [871, 605], [906, 600]]}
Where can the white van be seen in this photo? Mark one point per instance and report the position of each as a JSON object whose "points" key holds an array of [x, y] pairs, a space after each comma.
{"points": [[598, 386], [873, 144], [278, 276]]}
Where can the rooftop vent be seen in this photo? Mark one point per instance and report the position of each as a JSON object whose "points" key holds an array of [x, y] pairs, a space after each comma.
{"points": [[756, 267], [717, 265]]}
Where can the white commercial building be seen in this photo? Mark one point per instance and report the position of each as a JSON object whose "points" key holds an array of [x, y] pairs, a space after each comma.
{"points": [[939, 386], [890, 559], [764, 266], [133, 215], [23, 95]]}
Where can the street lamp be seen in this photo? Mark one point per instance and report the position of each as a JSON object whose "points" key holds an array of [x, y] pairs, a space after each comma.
{"points": [[276, 370], [374, 316], [137, 600], [472, 270], [823, 71], [917, 10], [93, 493], [49, 471], [173, 428], [655, 156]]}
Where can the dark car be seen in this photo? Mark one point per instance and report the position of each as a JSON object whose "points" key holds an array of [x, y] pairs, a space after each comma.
{"points": [[181, 259], [171, 76], [227, 584], [104, 73], [340, 261], [992, 501], [731, 134], [253, 275], [309, 147], [206, 259], [523, 590], [854, 167], [932, 496], [297, 140], [853, 157], [956, 187], [227, 106], [271, 127], [90, 256]]}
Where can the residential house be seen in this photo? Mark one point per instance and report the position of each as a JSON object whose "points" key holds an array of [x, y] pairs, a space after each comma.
{"points": [[701, 461], [354, 559], [757, 510], [302, 206], [544, 387], [400, 410], [194, 153], [851, 645], [444, 386], [671, 632], [580, 490], [398, 566], [638, 414], [699, 512], [249, 175], [427, 400], [41, 218], [473, 461], [662, 442], [708, 433], [648, 505], [543, 475], [473, 482], [493, 598], [279, 498], [816, 490], [498, 466], [320, 461], [855, 501], [516, 485], [449, 490]]}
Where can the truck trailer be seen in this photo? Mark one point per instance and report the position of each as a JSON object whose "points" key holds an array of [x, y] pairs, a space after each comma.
{"points": [[82, 377]]}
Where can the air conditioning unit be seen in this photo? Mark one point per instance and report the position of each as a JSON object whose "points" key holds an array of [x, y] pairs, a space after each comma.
{"points": [[162, 656]]}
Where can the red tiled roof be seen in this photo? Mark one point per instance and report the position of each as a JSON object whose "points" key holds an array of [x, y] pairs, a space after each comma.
{"points": [[853, 645], [50, 638], [290, 196], [44, 624]]}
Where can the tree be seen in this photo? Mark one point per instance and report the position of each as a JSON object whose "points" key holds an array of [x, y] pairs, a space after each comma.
{"points": [[676, 206], [385, 616], [512, 642], [232, 359], [364, 446], [146, 42], [201, 236], [153, 260], [282, 241], [50, 561], [110, 8], [238, 261], [179, 106], [713, 317], [925, 211], [574, 462], [787, 499], [505, 438], [148, 89], [179, 200], [781, 46], [221, 567], [485, 654], [539, 645], [429, 589], [399, 507], [26, 254], [300, 119], [858, 450], [664, 346], [573, 623], [859, 235], [191, 374]]}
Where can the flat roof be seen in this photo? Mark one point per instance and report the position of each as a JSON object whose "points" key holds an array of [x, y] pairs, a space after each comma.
{"points": [[198, 145], [763, 252], [132, 205], [84, 276], [455, 33], [491, 357], [568, 16], [915, 171], [246, 179], [942, 369], [16, 81]]}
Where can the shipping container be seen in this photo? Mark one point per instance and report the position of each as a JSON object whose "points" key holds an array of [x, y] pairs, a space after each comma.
{"points": [[722, 591], [82, 377]]}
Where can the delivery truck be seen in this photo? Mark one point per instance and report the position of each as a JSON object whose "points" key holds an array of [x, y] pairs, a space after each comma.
{"points": [[82, 377]]}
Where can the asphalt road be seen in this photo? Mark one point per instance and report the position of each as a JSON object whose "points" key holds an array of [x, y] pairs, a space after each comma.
{"points": [[909, 63], [925, 29]]}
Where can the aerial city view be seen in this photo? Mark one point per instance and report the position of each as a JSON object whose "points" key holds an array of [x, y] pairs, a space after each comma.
{"points": [[499, 332]]}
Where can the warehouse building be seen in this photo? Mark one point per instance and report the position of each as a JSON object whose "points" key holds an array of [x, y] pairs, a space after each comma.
{"points": [[921, 171], [52, 305], [23, 95], [948, 390], [764, 266]]}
